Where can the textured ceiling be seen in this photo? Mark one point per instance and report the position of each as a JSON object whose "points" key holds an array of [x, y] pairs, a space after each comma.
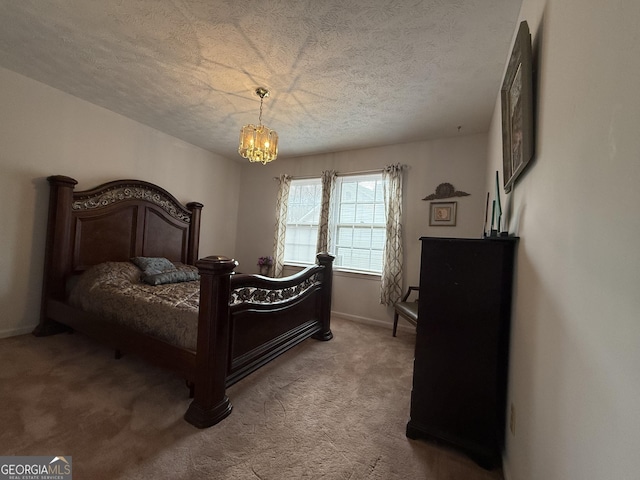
{"points": [[343, 74]]}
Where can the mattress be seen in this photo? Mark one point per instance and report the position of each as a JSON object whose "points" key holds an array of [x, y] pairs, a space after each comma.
{"points": [[116, 292]]}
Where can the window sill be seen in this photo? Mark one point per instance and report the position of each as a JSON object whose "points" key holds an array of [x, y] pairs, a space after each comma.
{"points": [[342, 272], [355, 274]]}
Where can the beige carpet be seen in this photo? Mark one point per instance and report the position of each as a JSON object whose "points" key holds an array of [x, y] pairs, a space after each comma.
{"points": [[331, 410]]}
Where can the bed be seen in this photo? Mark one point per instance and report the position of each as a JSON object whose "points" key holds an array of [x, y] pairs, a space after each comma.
{"points": [[242, 321]]}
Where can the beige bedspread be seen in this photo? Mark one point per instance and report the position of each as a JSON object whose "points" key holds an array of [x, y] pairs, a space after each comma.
{"points": [[114, 290]]}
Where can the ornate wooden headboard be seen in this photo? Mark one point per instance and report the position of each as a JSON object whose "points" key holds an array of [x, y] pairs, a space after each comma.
{"points": [[114, 222]]}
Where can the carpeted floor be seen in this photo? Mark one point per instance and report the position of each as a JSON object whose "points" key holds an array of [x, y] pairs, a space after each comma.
{"points": [[330, 410]]}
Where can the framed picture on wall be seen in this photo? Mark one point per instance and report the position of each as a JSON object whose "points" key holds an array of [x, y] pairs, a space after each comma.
{"points": [[442, 214], [516, 97]]}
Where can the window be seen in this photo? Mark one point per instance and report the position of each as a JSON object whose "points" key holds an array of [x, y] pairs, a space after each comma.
{"points": [[303, 215], [358, 225], [359, 233]]}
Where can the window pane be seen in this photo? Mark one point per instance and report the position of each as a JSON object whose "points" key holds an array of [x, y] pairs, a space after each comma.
{"points": [[295, 213], [380, 191], [347, 213], [302, 221], [360, 259], [308, 195], [366, 191], [379, 216], [364, 213], [360, 233], [362, 237], [348, 193], [376, 260], [343, 257], [300, 243], [345, 235], [378, 238]]}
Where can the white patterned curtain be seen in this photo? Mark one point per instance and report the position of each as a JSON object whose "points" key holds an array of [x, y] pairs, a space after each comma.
{"points": [[391, 285], [281, 224], [324, 231]]}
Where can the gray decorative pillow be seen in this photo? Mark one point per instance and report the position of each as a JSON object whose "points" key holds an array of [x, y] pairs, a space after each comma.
{"points": [[177, 276], [183, 273], [153, 265]]}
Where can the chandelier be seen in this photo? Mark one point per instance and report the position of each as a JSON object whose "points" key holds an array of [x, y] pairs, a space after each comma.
{"points": [[259, 143]]}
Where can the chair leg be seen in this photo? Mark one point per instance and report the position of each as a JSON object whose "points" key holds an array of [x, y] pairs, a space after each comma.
{"points": [[395, 324]]}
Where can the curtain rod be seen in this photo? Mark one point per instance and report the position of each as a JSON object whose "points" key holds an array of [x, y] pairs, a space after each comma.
{"points": [[361, 172]]}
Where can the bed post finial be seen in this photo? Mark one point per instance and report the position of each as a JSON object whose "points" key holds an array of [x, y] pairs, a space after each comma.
{"points": [[325, 260], [210, 403]]}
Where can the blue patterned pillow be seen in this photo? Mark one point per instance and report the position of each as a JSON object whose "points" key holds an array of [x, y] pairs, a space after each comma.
{"points": [[153, 265], [183, 273], [159, 270]]}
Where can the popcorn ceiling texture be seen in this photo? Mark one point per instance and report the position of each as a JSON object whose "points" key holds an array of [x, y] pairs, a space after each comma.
{"points": [[343, 73]]}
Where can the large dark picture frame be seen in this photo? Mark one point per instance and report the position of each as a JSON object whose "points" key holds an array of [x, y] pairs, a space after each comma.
{"points": [[516, 97]]}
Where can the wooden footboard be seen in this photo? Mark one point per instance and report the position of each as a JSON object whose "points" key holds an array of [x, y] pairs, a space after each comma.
{"points": [[246, 321]]}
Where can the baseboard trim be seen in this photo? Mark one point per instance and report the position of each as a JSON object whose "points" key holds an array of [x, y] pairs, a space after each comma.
{"points": [[373, 322], [14, 332]]}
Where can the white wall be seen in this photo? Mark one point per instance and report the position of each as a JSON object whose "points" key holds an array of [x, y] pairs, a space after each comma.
{"points": [[46, 132], [575, 362], [459, 160]]}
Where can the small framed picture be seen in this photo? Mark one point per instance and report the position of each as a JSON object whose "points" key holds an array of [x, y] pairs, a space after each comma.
{"points": [[443, 214]]}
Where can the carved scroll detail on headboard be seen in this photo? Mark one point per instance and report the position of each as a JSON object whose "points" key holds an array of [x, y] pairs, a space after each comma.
{"points": [[257, 295], [126, 192]]}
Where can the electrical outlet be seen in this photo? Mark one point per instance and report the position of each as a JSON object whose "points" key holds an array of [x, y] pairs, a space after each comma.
{"points": [[512, 420]]}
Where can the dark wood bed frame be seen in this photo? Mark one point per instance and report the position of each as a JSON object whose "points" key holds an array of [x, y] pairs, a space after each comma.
{"points": [[244, 321]]}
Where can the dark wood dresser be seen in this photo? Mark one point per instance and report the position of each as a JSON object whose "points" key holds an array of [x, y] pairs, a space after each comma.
{"points": [[462, 345]]}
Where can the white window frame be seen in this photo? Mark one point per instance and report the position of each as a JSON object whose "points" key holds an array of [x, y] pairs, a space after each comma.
{"points": [[310, 223], [362, 214], [338, 225]]}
